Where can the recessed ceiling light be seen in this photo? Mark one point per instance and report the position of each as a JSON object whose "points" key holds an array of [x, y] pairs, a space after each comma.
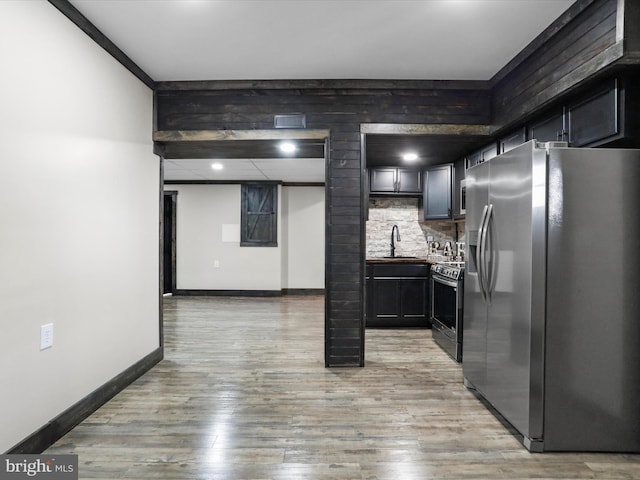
{"points": [[287, 147], [217, 166], [410, 157]]}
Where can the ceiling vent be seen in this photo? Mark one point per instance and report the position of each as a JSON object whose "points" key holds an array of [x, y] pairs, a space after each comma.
{"points": [[290, 121]]}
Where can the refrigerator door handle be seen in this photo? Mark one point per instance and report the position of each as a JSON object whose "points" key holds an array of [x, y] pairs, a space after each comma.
{"points": [[487, 267], [480, 253]]}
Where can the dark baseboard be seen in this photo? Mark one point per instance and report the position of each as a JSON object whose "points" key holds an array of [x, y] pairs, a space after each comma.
{"points": [[303, 291], [228, 293], [67, 420], [249, 293]]}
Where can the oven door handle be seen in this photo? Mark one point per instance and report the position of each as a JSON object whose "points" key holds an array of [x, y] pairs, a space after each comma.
{"points": [[445, 281], [480, 253]]}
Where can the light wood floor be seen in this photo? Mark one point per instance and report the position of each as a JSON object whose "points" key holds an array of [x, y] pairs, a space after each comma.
{"points": [[243, 394]]}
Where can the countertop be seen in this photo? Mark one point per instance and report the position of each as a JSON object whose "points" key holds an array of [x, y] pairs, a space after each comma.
{"points": [[400, 259]]}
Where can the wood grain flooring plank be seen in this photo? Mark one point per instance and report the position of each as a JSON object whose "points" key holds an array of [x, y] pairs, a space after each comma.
{"points": [[243, 394]]}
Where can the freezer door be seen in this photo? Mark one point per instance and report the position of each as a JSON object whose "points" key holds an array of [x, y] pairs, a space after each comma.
{"points": [[474, 358], [510, 246], [593, 321]]}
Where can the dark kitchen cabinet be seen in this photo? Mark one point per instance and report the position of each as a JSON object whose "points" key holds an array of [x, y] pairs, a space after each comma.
{"points": [[549, 129], [588, 120], [385, 300], [474, 159], [409, 181], [459, 173], [508, 142], [382, 180], [394, 181], [397, 295], [486, 153], [414, 300], [595, 118], [436, 200]]}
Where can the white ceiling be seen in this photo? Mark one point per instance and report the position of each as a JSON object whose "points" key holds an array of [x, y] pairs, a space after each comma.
{"points": [[321, 39], [278, 169], [316, 39]]}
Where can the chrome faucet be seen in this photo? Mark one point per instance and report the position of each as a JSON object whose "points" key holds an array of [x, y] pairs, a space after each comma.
{"points": [[393, 241]]}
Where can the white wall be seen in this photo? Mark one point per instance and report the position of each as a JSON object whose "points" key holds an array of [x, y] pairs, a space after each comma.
{"points": [[203, 212], [303, 212], [79, 214], [207, 213]]}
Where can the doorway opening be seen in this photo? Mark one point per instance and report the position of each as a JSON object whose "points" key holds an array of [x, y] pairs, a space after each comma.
{"points": [[169, 242]]}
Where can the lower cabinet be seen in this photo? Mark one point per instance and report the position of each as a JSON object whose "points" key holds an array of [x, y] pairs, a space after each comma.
{"points": [[397, 295]]}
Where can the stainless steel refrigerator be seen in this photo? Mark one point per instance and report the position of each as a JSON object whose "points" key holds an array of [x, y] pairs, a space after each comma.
{"points": [[552, 295]]}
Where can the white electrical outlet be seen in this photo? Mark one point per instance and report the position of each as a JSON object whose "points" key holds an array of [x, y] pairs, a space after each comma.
{"points": [[216, 264], [46, 336], [429, 238]]}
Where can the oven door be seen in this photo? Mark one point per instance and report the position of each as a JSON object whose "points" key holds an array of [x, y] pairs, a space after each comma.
{"points": [[444, 302]]}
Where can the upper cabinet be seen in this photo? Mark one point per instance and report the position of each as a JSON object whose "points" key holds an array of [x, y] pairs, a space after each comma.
{"points": [[595, 118], [382, 180], [512, 141], [395, 181], [436, 198], [604, 115], [549, 129], [584, 122], [486, 153]]}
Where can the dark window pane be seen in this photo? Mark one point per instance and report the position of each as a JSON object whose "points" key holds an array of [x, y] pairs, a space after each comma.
{"points": [[259, 215]]}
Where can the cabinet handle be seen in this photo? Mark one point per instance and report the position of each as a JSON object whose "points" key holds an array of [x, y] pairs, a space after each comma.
{"points": [[561, 135]]}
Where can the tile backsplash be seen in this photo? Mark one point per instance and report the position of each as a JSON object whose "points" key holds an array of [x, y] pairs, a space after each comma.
{"points": [[384, 213]]}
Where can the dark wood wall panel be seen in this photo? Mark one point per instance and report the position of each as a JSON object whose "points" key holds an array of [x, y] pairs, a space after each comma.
{"points": [[218, 106], [582, 48], [345, 308], [197, 110]]}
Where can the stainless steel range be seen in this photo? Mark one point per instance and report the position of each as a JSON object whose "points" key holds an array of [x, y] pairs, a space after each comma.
{"points": [[446, 307]]}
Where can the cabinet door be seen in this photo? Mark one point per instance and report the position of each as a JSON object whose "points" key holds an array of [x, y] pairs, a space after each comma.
{"points": [[485, 153], [490, 151], [595, 118], [437, 193], [383, 180], [386, 298], [414, 300], [474, 158], [408, 181], [550, 129], [512, 141]]}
